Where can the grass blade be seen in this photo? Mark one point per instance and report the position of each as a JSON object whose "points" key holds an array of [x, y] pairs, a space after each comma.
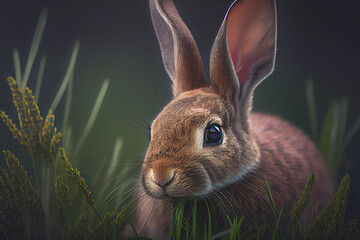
{"points": [[222, 234], [194, 222], [302, 203], [17, 66], [40, 78], [179, 215], [67, 76], [311, 106], [209, 229], [328, 135], [330, 222], [351, 133], [34, 47], [115, 157], [342, 120], [67, 140], [260, 232], [93, 115], [341, 131], [67, 105], [277, 223], [76, 178], [271, 200]]}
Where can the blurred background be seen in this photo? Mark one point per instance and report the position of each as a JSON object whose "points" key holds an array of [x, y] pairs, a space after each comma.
{"points": [[318, 40]]}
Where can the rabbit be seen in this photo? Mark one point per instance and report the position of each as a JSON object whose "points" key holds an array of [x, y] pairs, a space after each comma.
{"points": [[207, 142]]}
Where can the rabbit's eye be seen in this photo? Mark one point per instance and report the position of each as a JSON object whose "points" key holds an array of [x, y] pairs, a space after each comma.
{"points": [[213, 135]]}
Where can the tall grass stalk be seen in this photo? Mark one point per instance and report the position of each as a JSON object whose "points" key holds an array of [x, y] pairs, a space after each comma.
{"points": [[17, 66], [107, 175], [329, 135], [334, 137], [34, 47], [67, 76], [93, 115], [115, 157], [40, 78], [65, 125]]}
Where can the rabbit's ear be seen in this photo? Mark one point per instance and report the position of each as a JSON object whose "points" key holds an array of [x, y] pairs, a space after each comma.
{"points": [[244, 52], [178, 48]]}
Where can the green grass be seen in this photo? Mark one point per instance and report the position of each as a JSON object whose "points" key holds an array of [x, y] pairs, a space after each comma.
{"points": [[334, 135], [45, 170], [187, 223], [51, 194]]}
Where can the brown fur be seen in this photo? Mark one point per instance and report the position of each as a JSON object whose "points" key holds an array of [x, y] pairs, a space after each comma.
{"points": [[287, 159]]}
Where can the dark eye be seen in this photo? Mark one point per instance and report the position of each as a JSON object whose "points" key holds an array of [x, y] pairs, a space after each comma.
{"points": [[213, 135]]}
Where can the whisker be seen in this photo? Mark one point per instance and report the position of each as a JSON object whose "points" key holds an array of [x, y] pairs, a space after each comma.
{"points": [[136, 114], [143, 128], [152, 209], [119, 190], [155, 92]]}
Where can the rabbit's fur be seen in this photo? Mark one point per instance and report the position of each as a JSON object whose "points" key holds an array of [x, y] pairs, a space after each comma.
{"points": [[179, 165]]}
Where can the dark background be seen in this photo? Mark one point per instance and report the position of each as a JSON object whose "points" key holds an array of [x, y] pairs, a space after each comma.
{"points": [[318, 39]]}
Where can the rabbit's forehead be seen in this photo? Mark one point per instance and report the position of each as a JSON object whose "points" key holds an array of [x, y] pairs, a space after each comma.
{"points": [[194, 108]]}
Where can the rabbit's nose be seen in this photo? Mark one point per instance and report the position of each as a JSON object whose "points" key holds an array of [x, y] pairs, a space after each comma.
{"points": [[162, 176]]}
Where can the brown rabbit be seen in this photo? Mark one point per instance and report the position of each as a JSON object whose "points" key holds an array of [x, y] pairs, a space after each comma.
{"points": [[207, 142]]}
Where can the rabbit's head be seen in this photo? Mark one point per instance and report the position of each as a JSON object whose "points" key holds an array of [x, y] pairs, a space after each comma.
{"points": [[202, 140]]}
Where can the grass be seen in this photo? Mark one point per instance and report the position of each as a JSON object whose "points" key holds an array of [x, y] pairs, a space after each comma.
{"points": [[67, 77], [93, 115], [329, 224], [50, 195], [45, 169], [33, 50], [334, 136]]}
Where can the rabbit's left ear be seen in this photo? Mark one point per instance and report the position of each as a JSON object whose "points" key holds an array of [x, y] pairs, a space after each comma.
{"points": [[178, 48], [243, 53]]}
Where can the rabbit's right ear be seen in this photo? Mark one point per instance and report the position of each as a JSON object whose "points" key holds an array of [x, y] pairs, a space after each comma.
{"points": [[178, 48], [243, 53]]}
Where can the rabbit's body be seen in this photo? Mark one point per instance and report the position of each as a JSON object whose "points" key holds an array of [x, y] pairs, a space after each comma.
{"points": [[287, 159], [206, 143]]}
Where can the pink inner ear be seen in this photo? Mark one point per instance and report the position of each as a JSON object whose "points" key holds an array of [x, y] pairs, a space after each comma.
{"points": [[247, 32], [241, 58], [242, 64], [241, 68], [240, 43]]}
